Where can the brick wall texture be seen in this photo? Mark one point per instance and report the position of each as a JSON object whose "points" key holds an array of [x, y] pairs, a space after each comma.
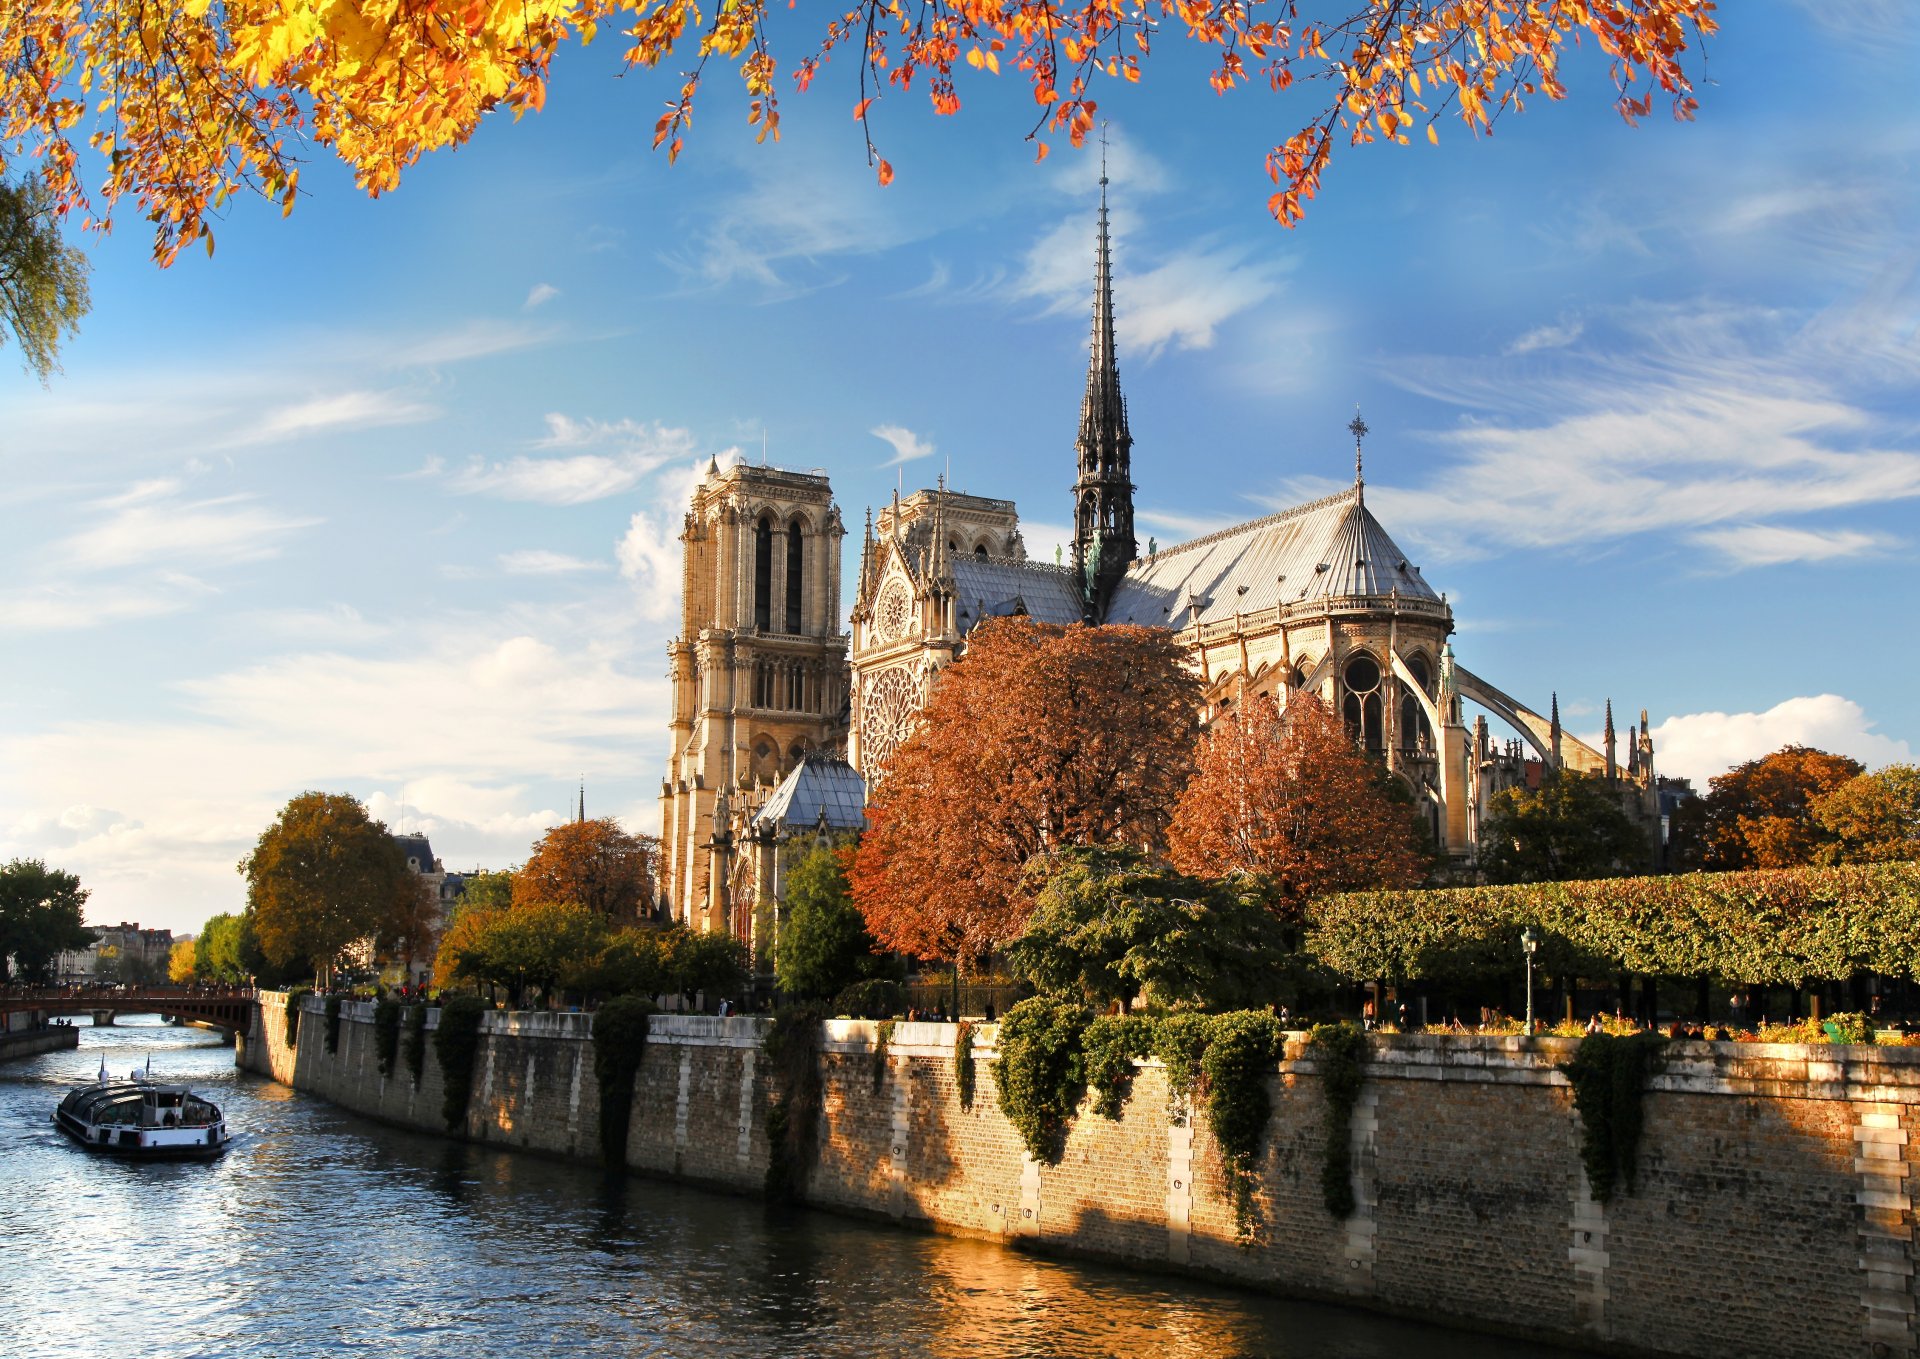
{"points": [[1771, 1214]]}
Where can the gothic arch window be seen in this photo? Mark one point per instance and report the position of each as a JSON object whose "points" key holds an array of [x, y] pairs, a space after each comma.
{"points": [[763, 574], [1361, 707], [796, 566], [980, 550]]}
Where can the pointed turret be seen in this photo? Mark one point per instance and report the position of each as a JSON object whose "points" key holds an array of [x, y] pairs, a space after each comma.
{"points": [[1103, 542], [1613, 762], [581, 815], [1646, 750], [1553, 739]]}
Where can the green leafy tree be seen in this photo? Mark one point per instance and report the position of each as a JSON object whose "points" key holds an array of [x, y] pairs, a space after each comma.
{"points": [[715, 965], [483, 891], [323, 875], [216, 954], [631, 964], [824, 944], [1873, 818], [40, 917], [1109, 925], [1571, 827], [43, 280]]}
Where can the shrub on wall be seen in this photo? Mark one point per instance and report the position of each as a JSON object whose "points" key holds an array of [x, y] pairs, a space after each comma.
{"points": [[417, 1042], [792, 1049], [1609, 1078], [294, 997], [883, 1035], [1112, 1044], [333, 1022], [456, 1043], [1340, 1050], [1180, 1041], [1241, 1055], [875, 998], [963, 1062], [620, 1029], [1042, 1071], [386, 1034]]}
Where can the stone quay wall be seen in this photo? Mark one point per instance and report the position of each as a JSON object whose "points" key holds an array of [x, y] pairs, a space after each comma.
{"points": [[28, 1042], [1773, 1214]]}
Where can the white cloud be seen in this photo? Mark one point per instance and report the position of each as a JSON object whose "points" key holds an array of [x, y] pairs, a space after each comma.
{"points": [[539, 562], [1700, 745], [636, 449], [650, 558], [1548, 337], [538, 294], [907, 446], [343, 410], [1774, 544], [61, 608], [156, 525]]}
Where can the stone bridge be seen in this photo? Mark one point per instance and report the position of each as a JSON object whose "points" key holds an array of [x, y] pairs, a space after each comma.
{"points": [[226, 1008]]}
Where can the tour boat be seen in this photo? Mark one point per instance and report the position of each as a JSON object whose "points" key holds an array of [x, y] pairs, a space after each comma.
{"points": [[142, 1118]]}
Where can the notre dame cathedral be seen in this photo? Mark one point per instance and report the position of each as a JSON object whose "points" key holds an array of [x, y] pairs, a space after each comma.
{"points": [[778, 713]]}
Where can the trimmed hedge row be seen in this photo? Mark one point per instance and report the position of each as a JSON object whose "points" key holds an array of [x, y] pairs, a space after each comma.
{"points": [[1760, 928]]}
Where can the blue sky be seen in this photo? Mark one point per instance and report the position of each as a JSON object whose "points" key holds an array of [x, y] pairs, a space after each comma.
{"points": [[383, 497]]}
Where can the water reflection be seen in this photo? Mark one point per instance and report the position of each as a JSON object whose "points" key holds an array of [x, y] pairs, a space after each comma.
{"points": [[322, 1234]]}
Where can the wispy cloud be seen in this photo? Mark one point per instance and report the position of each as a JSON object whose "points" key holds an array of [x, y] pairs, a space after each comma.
{"points": [[157, 525], [539, 562], [637, 450], [53, 608], [907, 446], [1555, 336], [539, 294], [326, 414], [1775, 544]]}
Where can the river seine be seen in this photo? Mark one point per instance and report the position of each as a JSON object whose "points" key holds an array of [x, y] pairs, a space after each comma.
{"points": [[320, 1234]]}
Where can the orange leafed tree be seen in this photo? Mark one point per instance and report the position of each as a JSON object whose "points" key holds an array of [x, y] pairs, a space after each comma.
{"points": [[594, 864], [1761, 814], [1287, 796], [1040, 737], [189, 102]]}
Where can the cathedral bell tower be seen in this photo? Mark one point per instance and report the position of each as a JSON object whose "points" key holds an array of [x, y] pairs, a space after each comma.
{"points": [[1103, 542]]}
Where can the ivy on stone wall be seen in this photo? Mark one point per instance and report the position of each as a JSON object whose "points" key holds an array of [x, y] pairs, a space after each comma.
{"points": [[792, 1049], [456, 1043], [1180, 1041], [417, 1042], [1042, 1072], [386, 1033], [1609, 1077], [883, 1035], [294, 997], [963, 1062], [620, 1029], [1112, 1044], [333, 1022], [1241, 1053], [1340, 1051]]}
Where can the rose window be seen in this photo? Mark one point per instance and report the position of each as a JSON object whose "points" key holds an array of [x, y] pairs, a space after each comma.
{"points": [[890, 615], [888, 716]]}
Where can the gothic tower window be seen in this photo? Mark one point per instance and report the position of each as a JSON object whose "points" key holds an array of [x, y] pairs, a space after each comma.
{"points": [[796, 540], [1361, 679], [763, 574], [1416, 733]]}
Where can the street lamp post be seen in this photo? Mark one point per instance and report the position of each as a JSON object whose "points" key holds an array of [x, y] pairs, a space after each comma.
{"points": [[1530, 942]]}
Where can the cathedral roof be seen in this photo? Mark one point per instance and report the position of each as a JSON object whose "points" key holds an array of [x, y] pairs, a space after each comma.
{"points": [[1326, 549], [999, 587], [822, 789]]}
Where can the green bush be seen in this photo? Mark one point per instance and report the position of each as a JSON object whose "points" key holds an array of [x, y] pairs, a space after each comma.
{"points": [[1042, 1072], [1849, 1027], [1180, 1041], [882, 1037], [792, 1048], [417, 1042], [620, 1029], [876, 998], [1340, 1050], [456, 1043], [292, 1007], [1609, 1079], [333, 1022], [386, 1033], [1112, 1044], [963, 1062]]}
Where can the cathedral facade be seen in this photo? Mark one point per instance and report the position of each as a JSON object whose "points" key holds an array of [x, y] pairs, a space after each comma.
{"points": [[1315, 599]]}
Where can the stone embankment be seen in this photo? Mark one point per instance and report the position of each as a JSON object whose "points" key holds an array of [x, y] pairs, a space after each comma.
{"points": [[29, 1041], [1772, 1218]]}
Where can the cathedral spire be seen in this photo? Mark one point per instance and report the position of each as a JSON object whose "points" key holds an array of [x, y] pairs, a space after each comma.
{"points": [[1553, 740], [1613, 764], [1103, 542], [1358, 428]]}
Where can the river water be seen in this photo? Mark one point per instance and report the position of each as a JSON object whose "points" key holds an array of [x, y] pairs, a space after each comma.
{"points": [[322, 1234]]}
